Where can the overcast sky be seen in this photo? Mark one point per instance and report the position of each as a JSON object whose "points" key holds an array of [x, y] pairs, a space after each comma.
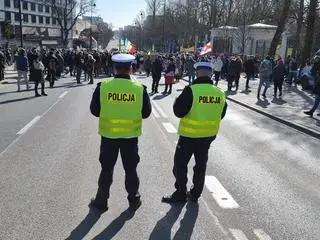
{"points": [[119, 12]]}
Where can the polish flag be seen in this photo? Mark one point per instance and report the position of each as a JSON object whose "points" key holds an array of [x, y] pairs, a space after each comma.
{"points": [[206, 48]]}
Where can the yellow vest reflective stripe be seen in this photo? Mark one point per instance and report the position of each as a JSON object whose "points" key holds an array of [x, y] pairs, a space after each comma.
{"points": [[120, 108], [204, 118]]}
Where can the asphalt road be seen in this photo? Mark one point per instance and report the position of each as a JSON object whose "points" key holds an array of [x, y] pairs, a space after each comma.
{"points": [[262, 177]]}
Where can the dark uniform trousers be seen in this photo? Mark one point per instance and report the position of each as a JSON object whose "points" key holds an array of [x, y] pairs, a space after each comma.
{"points": [[187, 147], [109, 151]]}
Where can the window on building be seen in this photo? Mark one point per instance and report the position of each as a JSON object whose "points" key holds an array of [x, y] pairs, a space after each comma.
{"points": [[33, 18], [25, 17], [54, 21], [7, 3], [33, 6], [47, 20], [25, 5], [8, 16], [47, 9], [40, 19], [16, 3], [40, 8], [16, 17]]}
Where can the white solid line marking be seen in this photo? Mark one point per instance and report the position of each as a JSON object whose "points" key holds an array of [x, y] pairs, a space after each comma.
{"points": [[261, 234], [169, 127], [238, 234], [219, 193], [29, 125], [63, 94], [155, 113], [162, 113]]}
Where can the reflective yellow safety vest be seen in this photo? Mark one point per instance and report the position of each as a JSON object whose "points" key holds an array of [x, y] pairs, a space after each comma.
{"points": [[204, 118], [120, 108]]}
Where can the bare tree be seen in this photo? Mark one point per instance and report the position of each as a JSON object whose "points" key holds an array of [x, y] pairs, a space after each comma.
{"points": [[311, 18], [67, 13], [296, 47], [153, 7], [281, 25]]}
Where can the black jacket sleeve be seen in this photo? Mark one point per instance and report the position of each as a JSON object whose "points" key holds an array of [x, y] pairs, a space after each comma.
{"points": [[146, 105], [95, 101], [224, 111], [183, 103]]}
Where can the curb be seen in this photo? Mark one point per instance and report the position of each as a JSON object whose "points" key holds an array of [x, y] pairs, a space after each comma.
{"points": [[281, 120]]}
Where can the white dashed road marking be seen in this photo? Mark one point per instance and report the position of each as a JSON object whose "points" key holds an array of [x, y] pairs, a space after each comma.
{"points": [[169, 127], [261, 234], [29, 125], [155, 113], [63, 94], [238, 234], [162, 113], [220, 194]]}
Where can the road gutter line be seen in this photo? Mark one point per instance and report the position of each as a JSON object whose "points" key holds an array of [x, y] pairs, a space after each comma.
{"points": [[29, 125]]}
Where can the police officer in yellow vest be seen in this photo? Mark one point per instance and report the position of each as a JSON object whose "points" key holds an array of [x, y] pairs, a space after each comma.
{"points": [[201, 107], [120, 105]]}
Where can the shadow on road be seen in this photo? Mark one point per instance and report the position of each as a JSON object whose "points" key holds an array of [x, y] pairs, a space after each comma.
{"points": [[263, 103], [162, 230], [188, 222], [85, 226], [115, 226], [159, 97], [278, 101]]}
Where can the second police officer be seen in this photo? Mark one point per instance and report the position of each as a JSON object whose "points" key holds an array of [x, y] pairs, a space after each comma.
{"points": [[201, 107], [120, 104]]}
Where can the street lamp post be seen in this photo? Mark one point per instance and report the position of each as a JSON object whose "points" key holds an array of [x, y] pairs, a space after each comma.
{"points": [[20, 22], [92, 5]]}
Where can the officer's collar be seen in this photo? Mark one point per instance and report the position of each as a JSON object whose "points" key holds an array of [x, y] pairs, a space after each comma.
{"points": [[203, 80], [125, 76]]}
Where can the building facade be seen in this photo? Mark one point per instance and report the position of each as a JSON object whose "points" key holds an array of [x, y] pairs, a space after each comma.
{"points": [[39, 23]]}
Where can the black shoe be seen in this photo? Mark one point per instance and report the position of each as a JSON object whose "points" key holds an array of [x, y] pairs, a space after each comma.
{"points": [[37, 95], [264, 96], [164, 92], [309, 113], [44, 94], [169, 92], [192, 198], [318, 114], [133, 206], [101, 207], [90, 83], [174, 198]]}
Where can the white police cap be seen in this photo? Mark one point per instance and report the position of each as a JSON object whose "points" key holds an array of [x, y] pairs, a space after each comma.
{"points": [[203, 65], [123, 58]]}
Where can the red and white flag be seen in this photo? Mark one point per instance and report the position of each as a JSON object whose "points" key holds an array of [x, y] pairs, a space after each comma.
{"points": [[206, 48]]}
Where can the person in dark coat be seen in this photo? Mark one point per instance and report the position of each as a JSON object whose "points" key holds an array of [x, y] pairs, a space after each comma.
{"points": [[38, 76], [156, 69], [249, 69], [315, 72], [278, 73], [169, 76]]}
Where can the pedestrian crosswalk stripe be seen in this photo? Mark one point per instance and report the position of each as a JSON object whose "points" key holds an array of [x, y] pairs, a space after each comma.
{"points": [[261, 234], [238, 234], [219, 193], [169, 127], [162, 113]]}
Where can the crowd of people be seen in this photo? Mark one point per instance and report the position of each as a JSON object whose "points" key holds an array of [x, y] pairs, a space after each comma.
{"points": [[40, 65]]}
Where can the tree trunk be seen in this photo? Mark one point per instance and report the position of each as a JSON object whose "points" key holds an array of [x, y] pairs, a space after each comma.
{"points": [[296, 47], [281, 24], [308, 41], [229, 12]]}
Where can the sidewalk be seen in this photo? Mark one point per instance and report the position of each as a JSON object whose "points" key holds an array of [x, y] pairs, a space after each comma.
{"points": [[287, 110]]}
